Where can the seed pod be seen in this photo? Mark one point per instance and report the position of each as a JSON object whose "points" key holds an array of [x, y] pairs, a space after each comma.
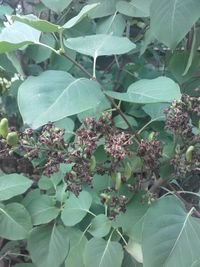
{"points": [[118, 181], [4, 127], [73, 174], [92, 163], [151, 136], [188, 154], [127, 171], [12, 138]]}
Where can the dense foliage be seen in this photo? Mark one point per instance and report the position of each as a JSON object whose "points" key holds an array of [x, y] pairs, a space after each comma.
{"points": [[99, 133]]}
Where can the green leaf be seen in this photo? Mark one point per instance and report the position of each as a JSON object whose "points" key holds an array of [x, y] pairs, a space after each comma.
{"points": [[54, 95], [48, 245], [113, 25], [100, 45], [120, 123], [45, 183], [100, 226], [101, 253], [131, 221], [171, 20], [16, 36], [62, 63], [178, 64], [161, 89], [40, 53], [56, 5], [77, 243], [105, 8], [82, 14], [135, 8], [38, 24], [168, 223], [76, 208], [42, 210], [15, 222], [12, 185], [156, 111]]}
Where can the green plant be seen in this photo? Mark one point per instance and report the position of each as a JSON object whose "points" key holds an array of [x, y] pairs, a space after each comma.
{"points": [[100, 133]]}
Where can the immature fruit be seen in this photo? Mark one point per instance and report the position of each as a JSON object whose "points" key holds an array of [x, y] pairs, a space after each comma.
{"points": [[92, 163], [12, 138], [188, 154], [151, 136], [118, 181], [4, 127], [127, 171]]}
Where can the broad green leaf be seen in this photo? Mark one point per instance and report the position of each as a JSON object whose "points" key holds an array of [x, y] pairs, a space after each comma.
{"points": [[105, 8], [54, 95], [102, 253], [113, 25], [62, 63], [76, 208], [39, 53], [156, 111], [171, 236], [100, 226], [15, 222], [120, 123], [100, 45], [82, 14], [95, 112], [172, 19], [77, 243], [16, 36], [56, 5], [178, 64], [12, 185], [42, 210], [38, 24], [135, 8], [161, 89], [45, 183], [48, 245], [131, 221]]}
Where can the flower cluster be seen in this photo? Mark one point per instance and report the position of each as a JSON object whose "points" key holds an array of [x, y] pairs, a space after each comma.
{"points": [[150, 151], [118, 145], [49, 144], [115, 203], [178, 120]]}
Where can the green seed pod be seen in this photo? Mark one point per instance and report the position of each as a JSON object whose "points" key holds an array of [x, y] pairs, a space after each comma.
{"points": [[151, 136], [127, 171], [92, 163], [118, 181], [188, 154], [74, 175], [4, 127], [12, 138]]}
